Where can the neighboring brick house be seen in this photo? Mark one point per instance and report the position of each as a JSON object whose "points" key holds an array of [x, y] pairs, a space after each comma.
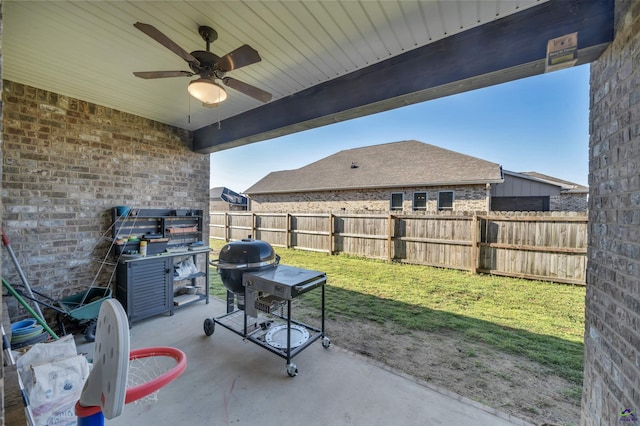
{"points": [[401, 176], [222, 199], [532, 191], [411, 176]]}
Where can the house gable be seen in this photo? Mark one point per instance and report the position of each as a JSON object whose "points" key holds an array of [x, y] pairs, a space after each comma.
{"points": [[521, 185], [532, 191]]}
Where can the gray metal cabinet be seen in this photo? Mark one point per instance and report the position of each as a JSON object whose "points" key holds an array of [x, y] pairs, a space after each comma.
{"points": [[146, 285], [145, 288]]}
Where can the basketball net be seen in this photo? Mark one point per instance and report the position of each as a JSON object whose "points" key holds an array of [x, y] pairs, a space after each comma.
{"points": [[120, 376]]}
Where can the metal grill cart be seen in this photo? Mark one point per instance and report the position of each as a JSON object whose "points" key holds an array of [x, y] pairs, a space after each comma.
{"points": [[264, 314]]}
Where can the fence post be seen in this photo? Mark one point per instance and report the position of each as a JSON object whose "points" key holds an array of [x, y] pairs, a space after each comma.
{"points": [[254, 231], [288, 232], [331, 232], [226, 226], [475, 252], [390, 238]]}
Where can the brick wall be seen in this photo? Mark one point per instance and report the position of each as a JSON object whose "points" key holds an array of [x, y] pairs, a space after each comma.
{"points": [[219, 206], [612, 327], [569, 202], [471, 198], [2, 373], [66, 164]]}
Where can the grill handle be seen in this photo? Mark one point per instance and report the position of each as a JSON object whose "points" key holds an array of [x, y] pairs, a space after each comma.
{"points": [[225, 265], [312, 284]]}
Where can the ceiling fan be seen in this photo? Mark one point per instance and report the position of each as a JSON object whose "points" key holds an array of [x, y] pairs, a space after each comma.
{"points": [[208, 66]]}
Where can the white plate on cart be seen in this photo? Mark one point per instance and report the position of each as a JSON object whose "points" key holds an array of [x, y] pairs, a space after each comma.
{"points": [[277, 336]]}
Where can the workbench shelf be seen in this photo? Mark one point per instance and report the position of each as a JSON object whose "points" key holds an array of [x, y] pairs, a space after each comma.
{"points": [[147, 285], [180, 227], [190, 277]]}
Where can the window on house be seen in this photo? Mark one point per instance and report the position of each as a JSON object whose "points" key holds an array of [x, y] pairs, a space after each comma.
{"points": [[419, 200], [445, 200], [397, 199]]}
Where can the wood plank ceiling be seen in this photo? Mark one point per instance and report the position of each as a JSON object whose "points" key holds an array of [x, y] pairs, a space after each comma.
{"points": [[89, 49]]}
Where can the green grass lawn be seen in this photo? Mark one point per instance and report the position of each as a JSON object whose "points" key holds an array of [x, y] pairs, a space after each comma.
{"points": [[541, 321]]}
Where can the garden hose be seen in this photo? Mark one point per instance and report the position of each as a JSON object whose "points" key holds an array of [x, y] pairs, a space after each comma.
{"points": [[24, 303]]}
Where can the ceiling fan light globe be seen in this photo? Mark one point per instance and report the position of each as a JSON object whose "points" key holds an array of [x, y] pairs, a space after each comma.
{"points": [[207, 91]]}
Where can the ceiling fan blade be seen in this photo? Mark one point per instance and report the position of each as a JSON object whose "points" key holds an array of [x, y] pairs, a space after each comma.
{"points": [[155, 34], [242, 56], [247, 89], [162, 74]]}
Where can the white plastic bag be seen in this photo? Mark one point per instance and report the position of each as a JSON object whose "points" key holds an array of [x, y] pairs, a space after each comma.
{"points": [[40, 353], [184, 269], [56, 388], [53, 375]]}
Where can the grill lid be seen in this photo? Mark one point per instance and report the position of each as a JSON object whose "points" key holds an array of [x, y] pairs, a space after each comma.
{"points": [[246, 253]]}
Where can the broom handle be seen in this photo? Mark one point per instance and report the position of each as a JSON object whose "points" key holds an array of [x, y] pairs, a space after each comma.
{"points": [[5, 241]]}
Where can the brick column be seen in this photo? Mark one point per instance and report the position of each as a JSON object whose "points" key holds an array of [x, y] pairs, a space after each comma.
{"points": [[612, 328]]}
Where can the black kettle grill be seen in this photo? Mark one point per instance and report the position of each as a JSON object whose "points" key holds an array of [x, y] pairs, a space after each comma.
{"points": [[238, 257]]}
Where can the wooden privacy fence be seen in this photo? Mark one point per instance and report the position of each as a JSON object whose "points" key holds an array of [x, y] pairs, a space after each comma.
{"points": [[543, 246]]}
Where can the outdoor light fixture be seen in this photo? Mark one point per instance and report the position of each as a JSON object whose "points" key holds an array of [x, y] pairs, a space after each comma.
{"points": [[207, 91]]}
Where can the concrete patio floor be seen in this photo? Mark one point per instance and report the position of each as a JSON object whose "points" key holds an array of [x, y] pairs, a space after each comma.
{"points": [[229, 381]]}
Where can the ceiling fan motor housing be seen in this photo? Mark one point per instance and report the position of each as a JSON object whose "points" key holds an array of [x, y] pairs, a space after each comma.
{"points": [[208, 60], [207, 66]]}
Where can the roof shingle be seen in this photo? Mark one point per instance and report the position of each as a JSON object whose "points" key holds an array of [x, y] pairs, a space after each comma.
{"points": [[396, 164]]}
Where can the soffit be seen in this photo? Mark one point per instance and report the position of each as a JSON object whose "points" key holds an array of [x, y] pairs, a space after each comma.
{"points": [[89, 49]]}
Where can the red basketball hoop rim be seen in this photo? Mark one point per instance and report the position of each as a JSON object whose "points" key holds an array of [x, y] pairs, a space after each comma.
{"points": [[140, 391]]}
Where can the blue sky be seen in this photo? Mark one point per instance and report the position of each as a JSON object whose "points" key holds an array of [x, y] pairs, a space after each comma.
{"points": [[536, 124]]}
